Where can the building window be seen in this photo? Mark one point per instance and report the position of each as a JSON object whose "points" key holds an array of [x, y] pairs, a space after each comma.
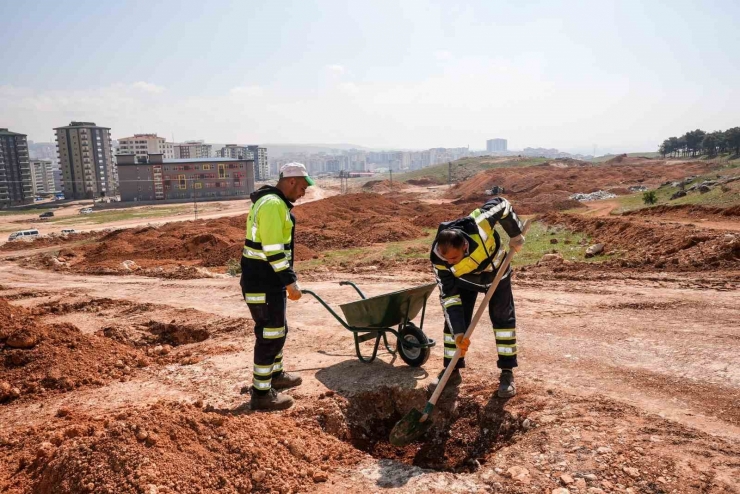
{"points": [[221, 170], [181, 180]]}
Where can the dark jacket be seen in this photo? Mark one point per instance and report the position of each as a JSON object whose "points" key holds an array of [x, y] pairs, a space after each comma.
{"points": [[267, 256], [484, 255]]}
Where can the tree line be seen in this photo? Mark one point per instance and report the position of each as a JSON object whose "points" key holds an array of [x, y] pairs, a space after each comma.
{"points": [[698, 143]]}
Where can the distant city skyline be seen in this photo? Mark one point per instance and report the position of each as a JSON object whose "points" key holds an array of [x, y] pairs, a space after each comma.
{"points": [[621, 75]]}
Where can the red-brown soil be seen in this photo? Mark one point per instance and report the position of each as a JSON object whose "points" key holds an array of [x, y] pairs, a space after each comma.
{"points": [[37, 357], [547, 187], [668, 247], [48, 241], [688, 211], [175, 250]]}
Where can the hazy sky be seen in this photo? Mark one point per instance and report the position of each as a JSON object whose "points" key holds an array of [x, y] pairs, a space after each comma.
{"points": [[396, 74]]}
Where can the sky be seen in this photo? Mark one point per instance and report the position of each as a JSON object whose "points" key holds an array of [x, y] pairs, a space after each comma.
{"points": [[617, 75]]}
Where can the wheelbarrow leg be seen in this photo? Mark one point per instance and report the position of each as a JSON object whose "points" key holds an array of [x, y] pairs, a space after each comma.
{"points": [[387, 346], [368, 336]]}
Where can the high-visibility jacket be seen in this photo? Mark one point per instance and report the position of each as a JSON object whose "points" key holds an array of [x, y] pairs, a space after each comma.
{"points": [[483, 256], [267, 256]]}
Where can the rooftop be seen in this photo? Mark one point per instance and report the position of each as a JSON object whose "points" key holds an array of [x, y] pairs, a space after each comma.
{"points": [[73, 125], [6, 132]]}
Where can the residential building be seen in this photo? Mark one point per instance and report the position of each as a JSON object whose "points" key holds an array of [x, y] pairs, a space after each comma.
{"points": [[234, 151], [42, 174], [143, 145], [158, 179], [86, 160], [261, 167], [192, 149], [16, 183], [496, 145]]}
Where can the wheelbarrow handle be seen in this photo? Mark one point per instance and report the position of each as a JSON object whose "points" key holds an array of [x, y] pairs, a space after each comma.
{"points": [[326, 306], [345, 283], [478, 314]]}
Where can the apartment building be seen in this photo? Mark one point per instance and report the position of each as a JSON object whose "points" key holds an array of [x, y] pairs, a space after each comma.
{"points": [[261, 167], [234, 151], [494, 145], [143, 145], [86, 160], [192, 149], [16, 183], [158, 179], [42, 174]]}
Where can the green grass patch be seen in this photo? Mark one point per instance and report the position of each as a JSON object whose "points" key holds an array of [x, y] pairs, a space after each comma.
{"points": [[30, 212], [465, 168], [571, 245], [110, 216], [607, 157]]}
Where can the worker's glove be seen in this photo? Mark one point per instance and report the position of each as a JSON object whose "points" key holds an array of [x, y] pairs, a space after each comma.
{"points": [[516, 243], [462, 343], [294, 291]]}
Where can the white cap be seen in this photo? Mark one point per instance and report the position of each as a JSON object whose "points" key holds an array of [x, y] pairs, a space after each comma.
{"points": [[295, 170]]}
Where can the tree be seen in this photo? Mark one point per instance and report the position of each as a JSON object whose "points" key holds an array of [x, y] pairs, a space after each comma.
{"points": [[709, 145], [649, 197], [733, 139]]}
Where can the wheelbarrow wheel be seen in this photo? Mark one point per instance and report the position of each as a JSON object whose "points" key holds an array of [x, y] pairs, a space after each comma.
{"points": [[414, 356]]}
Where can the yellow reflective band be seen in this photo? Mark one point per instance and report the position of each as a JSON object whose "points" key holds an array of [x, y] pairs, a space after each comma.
{"points": [[253, 254], [272, 247], [254, 298], [506, 349], [449, 338], [277, 367], [262, 384], [508, 334], [450, 352], [273, 333], [279, 355], [280, 265], [262, 370], [449, 302], [439, 267]]}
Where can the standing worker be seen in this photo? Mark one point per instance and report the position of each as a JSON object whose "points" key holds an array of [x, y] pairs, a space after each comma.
{"points": [[466, 255], [267, 277]]}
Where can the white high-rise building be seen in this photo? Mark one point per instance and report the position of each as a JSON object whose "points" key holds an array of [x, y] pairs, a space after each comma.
{"points": [[42, 173], [261, 167], [192, 149], [493, 145], [143, 145], [86, 159]]}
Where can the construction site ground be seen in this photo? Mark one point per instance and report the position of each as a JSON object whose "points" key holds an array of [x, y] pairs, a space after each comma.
{"points": [[130, 380]]}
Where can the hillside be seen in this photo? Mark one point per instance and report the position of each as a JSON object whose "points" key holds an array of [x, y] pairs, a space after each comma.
{"points": [[465, 168]]}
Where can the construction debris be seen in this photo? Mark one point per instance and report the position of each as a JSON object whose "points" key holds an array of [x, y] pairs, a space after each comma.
{"points": [[593, 196]]}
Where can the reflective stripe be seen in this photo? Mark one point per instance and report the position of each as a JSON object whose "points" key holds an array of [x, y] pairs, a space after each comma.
{"points": [[262, 370], [504, 204], [505, 335], [255, 298], [482, 233], [280, 265], [449, 338], [273, 333], [506, 350], [499, 258], [449, 301], [262, 384], [254, 254], [272, 247], [277, 367], [450, 352]]}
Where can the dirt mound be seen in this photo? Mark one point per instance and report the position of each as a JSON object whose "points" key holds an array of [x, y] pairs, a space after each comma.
{"points": [[383, 186], [547, 187], [35, 357], [48, 241], [174, 448], [671, 247], [424, 182], [180, 250], [688, 210]]}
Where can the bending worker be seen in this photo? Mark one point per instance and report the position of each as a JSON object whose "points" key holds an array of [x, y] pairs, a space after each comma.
{"points": [[466, 255], [267, 277]]}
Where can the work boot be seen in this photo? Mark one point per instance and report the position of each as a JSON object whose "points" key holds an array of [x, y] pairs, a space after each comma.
{"points": [[454, 380], [270, 401], [506, 386], [286, 380]]}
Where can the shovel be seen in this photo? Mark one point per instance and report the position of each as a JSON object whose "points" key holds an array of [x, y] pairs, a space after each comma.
{"points": [[416, 423]]}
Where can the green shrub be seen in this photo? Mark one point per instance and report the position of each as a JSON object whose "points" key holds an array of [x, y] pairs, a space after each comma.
{"points": [[649, 197]]}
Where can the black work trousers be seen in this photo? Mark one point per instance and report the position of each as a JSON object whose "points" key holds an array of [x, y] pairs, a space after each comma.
{"points": [[503, 318], [270, 330]]}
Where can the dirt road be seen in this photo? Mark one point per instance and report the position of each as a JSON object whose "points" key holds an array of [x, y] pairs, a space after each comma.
{"points": [[636, 363]]}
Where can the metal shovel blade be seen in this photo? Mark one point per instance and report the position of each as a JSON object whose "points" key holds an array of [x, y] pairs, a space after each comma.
{"points": [[409, 428]]}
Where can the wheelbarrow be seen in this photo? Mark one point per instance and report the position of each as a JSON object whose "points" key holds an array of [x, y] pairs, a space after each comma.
{"points": [[375, 317]]}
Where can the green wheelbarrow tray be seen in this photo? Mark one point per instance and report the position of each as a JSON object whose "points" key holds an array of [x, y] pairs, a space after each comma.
{"points": [[374, 317]]}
